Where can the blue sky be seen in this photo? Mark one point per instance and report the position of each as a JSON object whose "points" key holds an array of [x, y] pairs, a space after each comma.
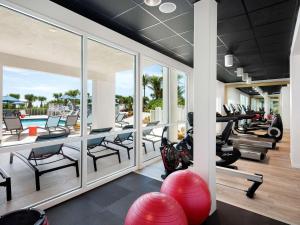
{"points": [[23, 82]]}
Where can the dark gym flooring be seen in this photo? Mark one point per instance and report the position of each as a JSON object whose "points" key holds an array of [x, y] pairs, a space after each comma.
{"points": [[108, 205]]}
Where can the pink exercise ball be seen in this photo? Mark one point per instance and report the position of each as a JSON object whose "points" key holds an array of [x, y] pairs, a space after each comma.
{"points": [[191, 192], [154, 209]]}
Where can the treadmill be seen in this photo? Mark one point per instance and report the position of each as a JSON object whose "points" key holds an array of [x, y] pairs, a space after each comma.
{"points": [[250, 146]]}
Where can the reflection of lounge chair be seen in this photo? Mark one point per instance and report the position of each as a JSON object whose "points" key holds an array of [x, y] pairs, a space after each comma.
{"points": [[120, 119], [38, 157], [6, 183], [52, 123], [13, 124], [71, 121], [148, 135], [124, 140], [96, 146]]}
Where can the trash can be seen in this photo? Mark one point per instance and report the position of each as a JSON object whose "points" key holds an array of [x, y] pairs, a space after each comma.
{"points": [[24, 217]]}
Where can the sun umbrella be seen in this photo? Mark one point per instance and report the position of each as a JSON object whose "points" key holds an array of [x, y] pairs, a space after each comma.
{"points": [[9, 99]]}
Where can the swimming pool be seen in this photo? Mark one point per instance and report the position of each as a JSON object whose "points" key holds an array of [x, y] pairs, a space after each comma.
{"points": [[38, 122]]}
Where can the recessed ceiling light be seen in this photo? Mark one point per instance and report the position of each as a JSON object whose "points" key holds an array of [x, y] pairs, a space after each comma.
{"points": [[152, 2], [167, 7]]}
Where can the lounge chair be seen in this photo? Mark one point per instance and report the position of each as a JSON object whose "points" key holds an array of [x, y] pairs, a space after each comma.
{"points": [[6, 183], [124, 140], [13, 124], [96, 146], [120, 119], [71, 121], [52, 123], [149, 136], [39, 157]]}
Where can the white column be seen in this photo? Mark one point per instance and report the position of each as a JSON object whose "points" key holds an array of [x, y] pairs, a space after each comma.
{"points": [[205, 75], [285, 106], [266, 104], [1, 106], [165, 114], [103, 111], [173, 106], [295, 110]]}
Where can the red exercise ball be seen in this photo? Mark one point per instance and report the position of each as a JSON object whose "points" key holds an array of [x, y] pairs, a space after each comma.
{"points": [[191, 192], [154, 209]]}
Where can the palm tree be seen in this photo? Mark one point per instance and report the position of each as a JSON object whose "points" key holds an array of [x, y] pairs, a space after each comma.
{"points": [[17, 96], [73, 93], [41, 99], [30, 98], [57, 96], [155, 83], [145, 83]]}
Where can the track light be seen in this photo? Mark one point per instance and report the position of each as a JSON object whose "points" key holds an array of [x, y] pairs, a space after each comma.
{"points": [[239, 71], [245, 77], [228, 60], [249, 80]]}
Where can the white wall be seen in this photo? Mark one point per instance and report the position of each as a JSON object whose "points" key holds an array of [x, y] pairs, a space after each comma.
{"points": [[294, 95], [285, 106], [233, 96], [220, 100], [220, 94]]}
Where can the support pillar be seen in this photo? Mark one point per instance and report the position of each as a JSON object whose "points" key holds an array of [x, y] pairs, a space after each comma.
{"points": [[205, 75], [266, 104], [1, 105], [295, 110], [103, 102], [173, 106], [165, 115]]}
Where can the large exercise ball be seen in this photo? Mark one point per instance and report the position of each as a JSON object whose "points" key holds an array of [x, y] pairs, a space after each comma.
{"points": [[154, 209], [191, 192]]}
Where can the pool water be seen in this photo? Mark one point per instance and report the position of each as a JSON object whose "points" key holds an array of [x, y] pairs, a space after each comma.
{"points": [[38, 122]]}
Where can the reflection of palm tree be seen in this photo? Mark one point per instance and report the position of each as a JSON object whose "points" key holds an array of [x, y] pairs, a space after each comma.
{"points": [[180, 90], [155, 83], [41, 99], [30, 98], [145, 83]]}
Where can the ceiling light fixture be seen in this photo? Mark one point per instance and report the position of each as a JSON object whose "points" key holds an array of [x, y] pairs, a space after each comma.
{"points": [[152, 2], [167, 7], [249, 80], [228, 60]]}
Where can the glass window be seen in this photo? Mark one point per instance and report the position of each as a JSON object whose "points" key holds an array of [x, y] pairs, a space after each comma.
{"points": [[111, 103], [155, 94], [40, 69]]}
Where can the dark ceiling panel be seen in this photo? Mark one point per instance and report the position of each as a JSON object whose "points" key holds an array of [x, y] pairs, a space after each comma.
{"points": [[235, 24], [229, 8], [189, 36], [257, 4], [257, 32], [271, 14], [157, 32], [173, 42], [182, 23], [136, 19]]}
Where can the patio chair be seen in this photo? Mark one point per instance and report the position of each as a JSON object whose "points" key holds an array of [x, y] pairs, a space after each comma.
{"points": [[149, 136], [71, 121], [52, 123], [120, 119], [6, 183], [14, 124], [41, 156], [94, 147], [124, 140]]}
